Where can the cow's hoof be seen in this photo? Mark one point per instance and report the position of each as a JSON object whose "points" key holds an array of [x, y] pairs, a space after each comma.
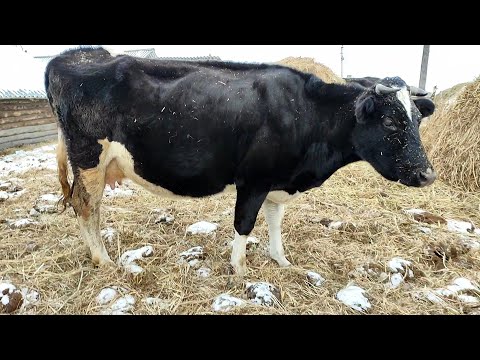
{"points": [[104, 262], [282, 262]]}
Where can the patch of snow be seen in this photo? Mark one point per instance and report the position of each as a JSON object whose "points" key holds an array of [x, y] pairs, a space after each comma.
{"points": [[262, 293], [468, 299], [335, 225], [161, 304], [460, 226], [424, 229], [45, 209], [50, 198], [21, 223], [353, 297], [106, 295], [415, 211], [202, 227], [117, 192], [470, 244], [132, 255], [22, 161], [120, 306], [30, 297], [3, 195], [5, 300], [315, 278], [456, 289], [398, 265], [163, 216], [133, 269], [395, 280], [33, 212], [108, 233], [128, 257], [226, 302], [204, 272], [195, 253], [6, 288]]}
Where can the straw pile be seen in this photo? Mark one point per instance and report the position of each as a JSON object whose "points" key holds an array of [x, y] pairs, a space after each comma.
{"points": [[452, 138], [310, 66]]}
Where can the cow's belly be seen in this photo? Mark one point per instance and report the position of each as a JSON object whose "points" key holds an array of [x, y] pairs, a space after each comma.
{"points": [[119, 164]]}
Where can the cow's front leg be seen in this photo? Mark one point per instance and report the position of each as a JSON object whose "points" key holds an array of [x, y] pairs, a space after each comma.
{"points": [[274, 216], [247, 206]]}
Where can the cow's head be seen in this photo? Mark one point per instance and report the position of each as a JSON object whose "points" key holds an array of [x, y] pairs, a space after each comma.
{"points": [[387, 131]]}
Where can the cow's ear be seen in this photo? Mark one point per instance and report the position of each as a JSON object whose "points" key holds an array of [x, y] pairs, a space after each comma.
{"points": [[364, 108], [425, 106], [313, 86]]}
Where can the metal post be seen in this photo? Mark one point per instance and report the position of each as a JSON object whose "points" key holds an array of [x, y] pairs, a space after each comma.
{"points": [[341, 62], [423, 70]]}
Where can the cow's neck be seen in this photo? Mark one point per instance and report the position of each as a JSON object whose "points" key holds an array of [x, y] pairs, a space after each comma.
{"points": [[329, 145]]}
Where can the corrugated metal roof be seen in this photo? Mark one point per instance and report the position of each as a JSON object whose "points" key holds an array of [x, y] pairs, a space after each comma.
{"points": [[22, 94], [147, 54]]}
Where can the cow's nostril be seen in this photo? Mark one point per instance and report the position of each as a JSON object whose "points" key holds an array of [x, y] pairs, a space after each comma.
{"points": [[427, 177]]}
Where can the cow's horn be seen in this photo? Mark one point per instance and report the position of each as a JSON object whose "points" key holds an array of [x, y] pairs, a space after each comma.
{"points": [[417, 91], [384, 90]]}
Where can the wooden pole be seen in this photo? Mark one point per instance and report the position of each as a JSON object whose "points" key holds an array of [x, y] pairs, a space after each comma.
{"points": [[423, 70]]}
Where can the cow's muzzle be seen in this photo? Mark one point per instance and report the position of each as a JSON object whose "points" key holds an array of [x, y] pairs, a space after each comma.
{"points": [[426, 177]]}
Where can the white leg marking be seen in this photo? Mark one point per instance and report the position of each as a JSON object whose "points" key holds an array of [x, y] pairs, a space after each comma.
{"points": [[274, 215], [90, 231], [404, 98], [238, 259]]}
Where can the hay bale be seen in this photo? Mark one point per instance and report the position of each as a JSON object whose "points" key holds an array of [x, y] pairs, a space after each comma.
{"points": [[452, 139], [310, 66]]}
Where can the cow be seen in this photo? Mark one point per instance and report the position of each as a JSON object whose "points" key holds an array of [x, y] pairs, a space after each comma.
{"points": [[195, 129]]}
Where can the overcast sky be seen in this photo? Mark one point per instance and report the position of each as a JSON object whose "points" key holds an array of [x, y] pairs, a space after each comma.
{"points": [[448, 64]]}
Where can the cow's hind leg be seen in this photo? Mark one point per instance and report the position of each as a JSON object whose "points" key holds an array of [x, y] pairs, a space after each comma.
{"points": [[86, 199], [274, 215], [247, 207]]}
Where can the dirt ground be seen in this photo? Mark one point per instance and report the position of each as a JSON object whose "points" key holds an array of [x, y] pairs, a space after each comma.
{"points": [[49, 257]]}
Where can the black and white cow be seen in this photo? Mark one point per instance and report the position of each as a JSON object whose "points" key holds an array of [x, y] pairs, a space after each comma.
{"points": [[190, 129]]}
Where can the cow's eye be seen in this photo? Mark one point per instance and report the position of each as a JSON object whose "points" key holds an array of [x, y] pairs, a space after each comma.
{"points": [[388, 123]]}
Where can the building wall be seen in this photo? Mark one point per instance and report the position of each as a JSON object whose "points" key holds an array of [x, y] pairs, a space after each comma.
{"points": [[25, 121]]}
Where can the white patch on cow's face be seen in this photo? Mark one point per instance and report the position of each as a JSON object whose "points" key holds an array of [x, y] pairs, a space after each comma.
{"points": [[404, 97]]}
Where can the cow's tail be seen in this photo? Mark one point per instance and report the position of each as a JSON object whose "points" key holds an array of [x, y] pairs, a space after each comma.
{"points": [[62, 163]]}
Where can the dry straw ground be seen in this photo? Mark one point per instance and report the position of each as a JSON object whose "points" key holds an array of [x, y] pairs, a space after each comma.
{"points": [[59, 267]]}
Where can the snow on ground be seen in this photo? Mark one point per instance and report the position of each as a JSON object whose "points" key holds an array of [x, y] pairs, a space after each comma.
{"points": [[204, 272], [460, 226], [21, 223], [353, 296], [401, 270], [46, 204], [202, 227], [263, 293], [22, 161], [120, 306], [163, 216], [461, 289], [315, 278], [121, 191], [157, 303], [128, 258], [192, 256], [226, 302], [108, 233], [13, 299]]}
